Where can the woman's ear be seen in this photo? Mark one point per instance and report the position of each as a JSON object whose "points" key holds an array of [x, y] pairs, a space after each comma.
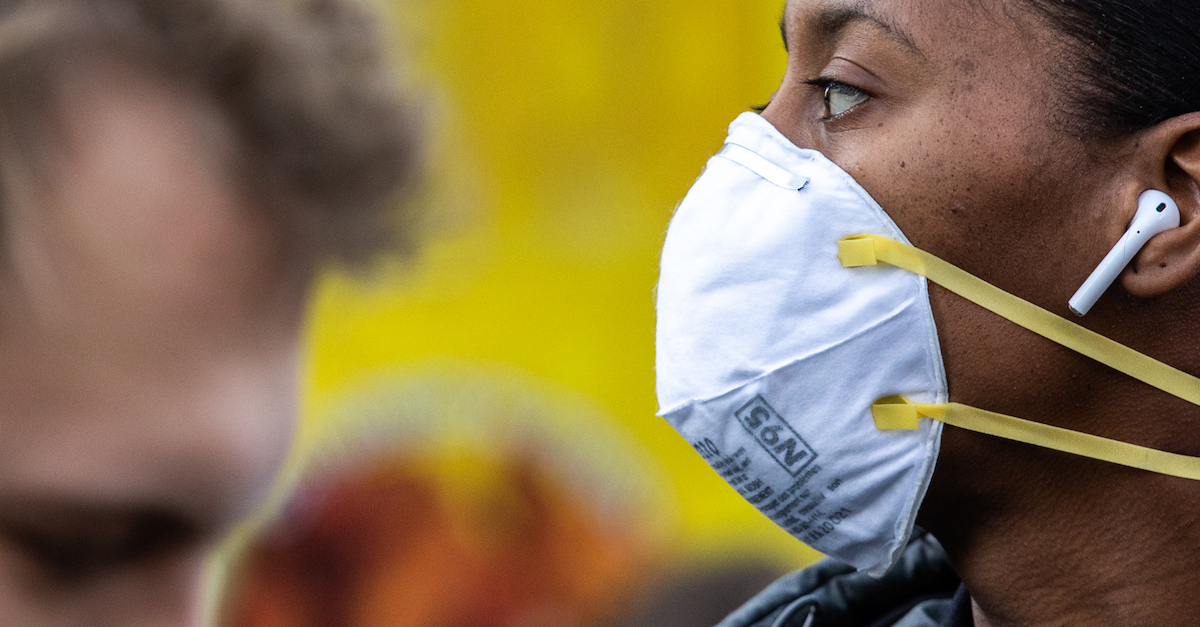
{"points": [[1171, 258]]}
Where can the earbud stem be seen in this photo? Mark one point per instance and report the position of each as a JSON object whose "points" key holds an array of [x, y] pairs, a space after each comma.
{"points": [[1104, 274]]}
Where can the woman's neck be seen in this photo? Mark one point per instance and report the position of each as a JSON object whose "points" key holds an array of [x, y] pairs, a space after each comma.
{"points": [[1041, 542]]}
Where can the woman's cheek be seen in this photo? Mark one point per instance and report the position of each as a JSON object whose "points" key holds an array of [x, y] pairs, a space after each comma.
{"points": [[908, 187]]}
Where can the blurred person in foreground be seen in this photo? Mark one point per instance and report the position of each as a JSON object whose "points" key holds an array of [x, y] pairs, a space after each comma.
{"points": [[172, 174], [832, 339]]}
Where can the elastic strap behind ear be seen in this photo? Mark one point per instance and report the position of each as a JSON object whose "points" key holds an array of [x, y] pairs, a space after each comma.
{"points": [[1024, 313]]}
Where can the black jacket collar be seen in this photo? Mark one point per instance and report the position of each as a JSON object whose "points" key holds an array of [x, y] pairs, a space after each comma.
{"points": [[921, 590]]}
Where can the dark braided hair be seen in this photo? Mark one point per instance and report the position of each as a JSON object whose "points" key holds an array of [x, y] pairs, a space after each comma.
{"points": [[1134, 63]]}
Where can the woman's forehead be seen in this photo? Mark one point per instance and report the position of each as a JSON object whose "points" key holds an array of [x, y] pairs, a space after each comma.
{"points": [[930, 27]]}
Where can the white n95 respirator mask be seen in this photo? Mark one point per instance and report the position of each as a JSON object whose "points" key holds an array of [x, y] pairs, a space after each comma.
{"points": [[770, 353], [797, 351]]}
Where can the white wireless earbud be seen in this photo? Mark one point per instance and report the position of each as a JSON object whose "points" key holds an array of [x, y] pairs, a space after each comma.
{"points": [[1156, 213]]}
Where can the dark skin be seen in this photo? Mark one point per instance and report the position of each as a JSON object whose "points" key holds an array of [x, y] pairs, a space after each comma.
{"points": [[951, 117]]}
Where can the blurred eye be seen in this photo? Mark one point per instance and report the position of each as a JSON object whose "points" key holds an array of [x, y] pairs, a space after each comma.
{"points": [[74, 552], [840, 98]]}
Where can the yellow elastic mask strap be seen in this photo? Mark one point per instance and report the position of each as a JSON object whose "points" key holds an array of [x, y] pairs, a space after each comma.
{"points": [[867, 250], [899, 413]]}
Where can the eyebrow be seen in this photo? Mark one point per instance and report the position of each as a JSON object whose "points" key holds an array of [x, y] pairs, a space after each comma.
{"points": [[830, 23], [83, 516], [79, 538]]}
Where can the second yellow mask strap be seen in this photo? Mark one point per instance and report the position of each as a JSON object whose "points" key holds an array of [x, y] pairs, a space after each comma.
{"points": [[899, 413]]}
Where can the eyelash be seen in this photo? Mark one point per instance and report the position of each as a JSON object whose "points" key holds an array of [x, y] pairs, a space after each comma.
{"points": [[828, 87], [824, 84]]}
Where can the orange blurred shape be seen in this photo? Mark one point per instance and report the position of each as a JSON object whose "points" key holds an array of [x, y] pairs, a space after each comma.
{"points": [[405, 543]]}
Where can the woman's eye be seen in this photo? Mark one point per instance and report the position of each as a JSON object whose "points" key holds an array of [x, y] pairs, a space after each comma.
{"points": [[840, 98]]}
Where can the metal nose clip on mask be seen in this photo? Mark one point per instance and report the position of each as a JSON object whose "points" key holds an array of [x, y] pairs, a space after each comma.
{"points": [[1156, 213]]}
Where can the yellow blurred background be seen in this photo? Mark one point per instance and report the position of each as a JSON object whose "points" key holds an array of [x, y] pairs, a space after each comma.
{"points": [[562, 136]]}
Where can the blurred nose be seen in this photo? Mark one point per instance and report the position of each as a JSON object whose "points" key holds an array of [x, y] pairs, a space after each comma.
{"points": [[167, 595]]}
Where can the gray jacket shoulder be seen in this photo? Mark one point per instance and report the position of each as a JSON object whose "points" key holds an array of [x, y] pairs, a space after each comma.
{"points": [[919, 591]]}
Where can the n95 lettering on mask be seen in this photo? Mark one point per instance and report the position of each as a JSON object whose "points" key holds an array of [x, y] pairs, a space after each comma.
{"points": [[770, 353]]}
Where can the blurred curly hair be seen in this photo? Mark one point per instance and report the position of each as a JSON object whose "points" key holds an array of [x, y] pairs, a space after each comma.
{"points": [[326, 142]]}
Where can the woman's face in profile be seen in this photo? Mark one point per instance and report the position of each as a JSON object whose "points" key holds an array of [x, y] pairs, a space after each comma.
{"points": [[948, 113]]}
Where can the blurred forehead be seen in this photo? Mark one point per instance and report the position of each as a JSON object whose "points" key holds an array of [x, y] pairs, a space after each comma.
{"points": [[135, 214], [147, 350]]}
